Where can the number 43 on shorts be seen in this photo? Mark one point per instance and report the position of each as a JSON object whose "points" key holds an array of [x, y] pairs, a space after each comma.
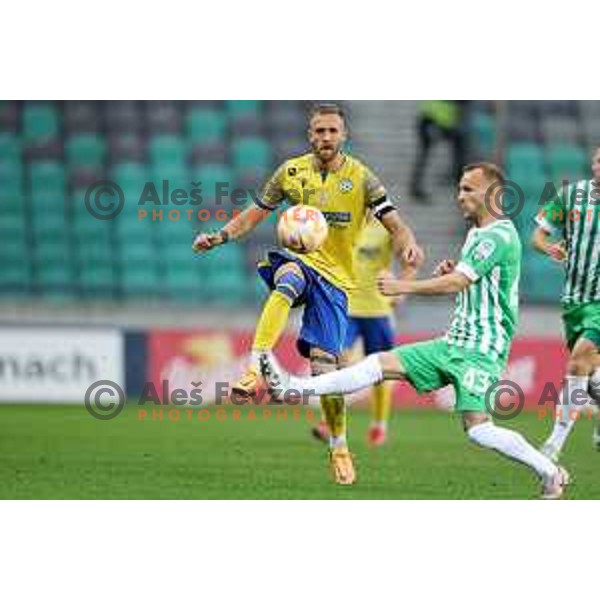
{"points": [[477, 381]]}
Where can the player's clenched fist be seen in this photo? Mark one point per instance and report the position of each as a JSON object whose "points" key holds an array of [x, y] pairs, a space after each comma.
{"points": [[206, 241], [444, 268], [557, 252], [388, 285]]}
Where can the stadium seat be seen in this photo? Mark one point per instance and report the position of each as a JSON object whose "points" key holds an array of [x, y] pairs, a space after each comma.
{"points": [[167, 150], [523, 157], [243, 107], [560, 129], [15, 275], [566, 162], [10, 148], [185, 280], [55, 277], [97, 279], [205, 125], [85, 149], [483, 128], [123, 116], [251, 152], [47, 179], [210, 176], [9, 116], [11, 180], [126, 147], [81, 116], [163, 116], [40, 122], [544, 278], [141, 278], [209, 152]]}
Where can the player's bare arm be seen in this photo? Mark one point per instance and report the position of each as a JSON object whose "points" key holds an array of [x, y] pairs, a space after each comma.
{"points": [[541, 240], [238, 227], [405, 245], [451, 283]]}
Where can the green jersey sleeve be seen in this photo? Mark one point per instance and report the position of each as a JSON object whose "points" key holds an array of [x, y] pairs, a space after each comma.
{"points": [[481, 254]]}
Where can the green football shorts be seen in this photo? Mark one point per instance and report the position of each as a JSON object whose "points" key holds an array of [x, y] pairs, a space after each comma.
{"points": [[582, 320], [434, 364]]}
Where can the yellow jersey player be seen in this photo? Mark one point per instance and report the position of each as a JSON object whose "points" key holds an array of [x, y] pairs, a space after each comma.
{"points": [[344, 190], [370, 320]]}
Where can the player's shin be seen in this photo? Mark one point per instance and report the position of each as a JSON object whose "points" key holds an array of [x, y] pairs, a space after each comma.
{"points": [[382, 400], [572, 402], [513, 445], [334, 411], [272, 323]]}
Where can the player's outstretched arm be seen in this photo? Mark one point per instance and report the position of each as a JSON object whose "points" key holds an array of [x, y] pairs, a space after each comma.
{"points": [[541, 241], [405, 245], [450, 283], [238, 227]]}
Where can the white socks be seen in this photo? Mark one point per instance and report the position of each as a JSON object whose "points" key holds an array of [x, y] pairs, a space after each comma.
{"points": [[512, 444], [361, 375], [567, 412]]}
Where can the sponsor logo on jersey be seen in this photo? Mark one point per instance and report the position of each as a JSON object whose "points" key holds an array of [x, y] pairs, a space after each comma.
{"points": [[484, 250], [346, 185]]}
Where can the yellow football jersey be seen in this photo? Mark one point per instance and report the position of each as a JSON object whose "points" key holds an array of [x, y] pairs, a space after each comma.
{"points": [[343, 196], [373, 254]]}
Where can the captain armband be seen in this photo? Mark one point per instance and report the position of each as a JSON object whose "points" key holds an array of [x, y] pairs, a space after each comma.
{"points": [[381, 207]]}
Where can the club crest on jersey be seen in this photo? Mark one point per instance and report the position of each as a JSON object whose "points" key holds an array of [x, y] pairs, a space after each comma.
{"points": [[292, 171], [484, 250], [346, 185]]}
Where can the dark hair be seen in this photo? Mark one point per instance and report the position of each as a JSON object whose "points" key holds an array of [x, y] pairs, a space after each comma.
{"points": [[327, 108], [491, 171]]}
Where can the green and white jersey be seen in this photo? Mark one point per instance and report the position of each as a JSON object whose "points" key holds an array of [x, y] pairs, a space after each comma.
{"points": [[486, 312], [573, 214]]}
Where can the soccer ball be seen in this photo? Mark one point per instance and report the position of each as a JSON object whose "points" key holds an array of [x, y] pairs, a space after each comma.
{"points": [[302, 229]]}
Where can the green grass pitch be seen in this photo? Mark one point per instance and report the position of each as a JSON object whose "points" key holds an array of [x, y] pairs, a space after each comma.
{"points": [[62, 452]]}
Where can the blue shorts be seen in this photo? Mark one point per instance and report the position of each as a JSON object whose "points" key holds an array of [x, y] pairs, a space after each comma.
{"points": [[325, 317], [377, 333]]}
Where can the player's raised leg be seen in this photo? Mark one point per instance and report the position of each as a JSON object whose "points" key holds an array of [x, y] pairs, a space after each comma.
{"points": [[288, 284]]}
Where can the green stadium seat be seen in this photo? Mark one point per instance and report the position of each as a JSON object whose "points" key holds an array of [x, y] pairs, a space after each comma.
{"points": [[56, 277], [484, 130], [524, 158], [167, 150], [141, 278], [51, 249], [40, 122], [210, 176], [10, 148], [86, 150], [15, 274], [47, 179], [11, 179], [138, 250], [544, 278], [243, 107], [130, 175], [184, 278], [566, 162], [98, 280], [205, 125], [250, 153]]}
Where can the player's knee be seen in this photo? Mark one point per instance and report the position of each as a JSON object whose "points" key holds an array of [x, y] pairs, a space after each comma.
{"points": [[472, 419], [289, 281], [321, 363]]}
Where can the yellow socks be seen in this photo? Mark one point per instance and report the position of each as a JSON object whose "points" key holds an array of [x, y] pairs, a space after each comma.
{"points": [[272, 322], [382, 401], [334, 411]]}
